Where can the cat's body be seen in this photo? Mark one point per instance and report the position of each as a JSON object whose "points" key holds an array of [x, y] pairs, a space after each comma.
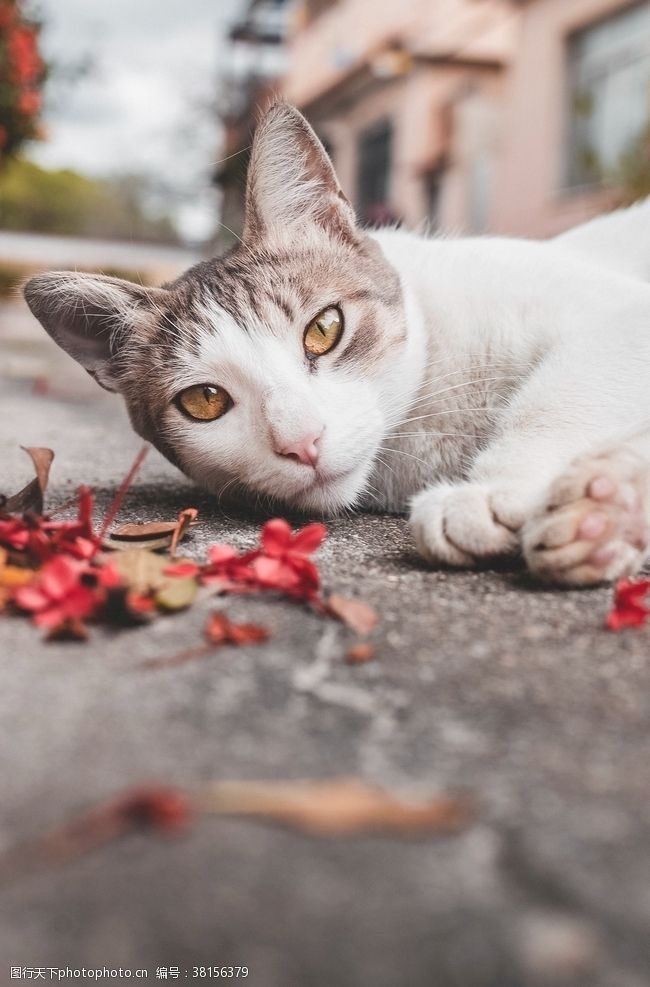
{"points": [[500, 387]]}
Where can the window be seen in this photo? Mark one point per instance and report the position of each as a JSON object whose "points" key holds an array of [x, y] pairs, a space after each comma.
{"points": [[609, 73], [373, 176]]}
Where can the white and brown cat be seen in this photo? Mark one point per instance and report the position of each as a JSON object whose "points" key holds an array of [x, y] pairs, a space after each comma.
{"points": [[498, 389]]}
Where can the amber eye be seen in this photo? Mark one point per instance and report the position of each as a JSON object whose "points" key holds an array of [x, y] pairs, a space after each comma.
{"points": [[323, 332], [204, 402]]}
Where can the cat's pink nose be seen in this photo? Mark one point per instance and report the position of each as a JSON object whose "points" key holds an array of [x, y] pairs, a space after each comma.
{"points": [[304, 450]]}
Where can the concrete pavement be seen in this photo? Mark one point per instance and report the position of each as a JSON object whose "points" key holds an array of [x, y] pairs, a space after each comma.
{"points": [[482, 683]]}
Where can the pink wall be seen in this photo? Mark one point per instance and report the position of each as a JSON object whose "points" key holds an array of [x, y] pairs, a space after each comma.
{"points": [[504, 153], [530, 195]]}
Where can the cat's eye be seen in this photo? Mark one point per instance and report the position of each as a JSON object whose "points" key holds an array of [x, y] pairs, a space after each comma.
{"points": [[204, 402], [323, 332]]}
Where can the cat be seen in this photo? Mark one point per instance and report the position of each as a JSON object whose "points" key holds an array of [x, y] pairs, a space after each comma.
{"points": [[498, 388]]}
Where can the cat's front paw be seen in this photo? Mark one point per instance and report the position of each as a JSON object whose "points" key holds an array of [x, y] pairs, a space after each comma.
{"points": [[593, 527], [464, 524]]}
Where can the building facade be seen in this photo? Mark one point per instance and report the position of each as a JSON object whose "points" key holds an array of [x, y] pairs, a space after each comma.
{"points": [[472, 116]]}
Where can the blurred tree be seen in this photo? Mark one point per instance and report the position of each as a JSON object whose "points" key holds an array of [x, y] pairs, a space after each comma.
{"points": [[632, 176], [22, 73], [33, 198]]}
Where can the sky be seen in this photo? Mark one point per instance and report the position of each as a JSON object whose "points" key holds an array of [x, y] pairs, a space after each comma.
{"points": [[144, 103]]}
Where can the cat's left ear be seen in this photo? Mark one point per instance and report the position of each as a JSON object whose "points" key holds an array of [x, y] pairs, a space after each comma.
{"points": [[94, 318], [291, 180]]}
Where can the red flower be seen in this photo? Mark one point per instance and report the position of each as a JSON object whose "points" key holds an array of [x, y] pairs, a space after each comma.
{"points": [[7, 15], [282, 563], [23, 54], [630, 608], [226, 567], [29, 102], [14, 533], [43, 539], [61, 594]]}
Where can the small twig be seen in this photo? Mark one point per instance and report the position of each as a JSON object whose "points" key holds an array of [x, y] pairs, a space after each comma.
{"points": [[122, 490]]}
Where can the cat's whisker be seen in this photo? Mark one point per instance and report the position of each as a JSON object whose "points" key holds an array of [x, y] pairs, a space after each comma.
{"points": [[402, 452], [436, 395], [487, 409], [378, 459], [475, 368], [433, 434]]}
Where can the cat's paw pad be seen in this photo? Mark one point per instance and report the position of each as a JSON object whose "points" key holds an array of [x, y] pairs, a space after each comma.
{"points": [[593, 526], [462, 525]]}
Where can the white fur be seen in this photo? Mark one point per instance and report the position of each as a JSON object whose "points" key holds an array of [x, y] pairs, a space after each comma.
{"points": [[570, 341]]}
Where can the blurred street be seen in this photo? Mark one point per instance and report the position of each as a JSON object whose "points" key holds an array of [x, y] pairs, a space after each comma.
{"points": [[481, 684]]}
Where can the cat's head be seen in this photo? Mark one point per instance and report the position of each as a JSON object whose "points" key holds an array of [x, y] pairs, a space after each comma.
{"points": [[275, 367]]}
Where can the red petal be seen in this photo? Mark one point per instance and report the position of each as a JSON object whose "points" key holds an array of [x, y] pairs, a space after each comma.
{"points": [[30, 598], [59, 577], [308, 539], [218, 554], [183, 569], [275, 574], [276, 536], [108, 577]]}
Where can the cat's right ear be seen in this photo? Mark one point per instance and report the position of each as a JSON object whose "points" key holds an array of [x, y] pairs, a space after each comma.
{"points": [[92, 317], [291, 181]]}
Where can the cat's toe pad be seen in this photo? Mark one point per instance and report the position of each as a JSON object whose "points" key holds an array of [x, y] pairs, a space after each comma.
{"points": [[460, 525], [593, 526]]}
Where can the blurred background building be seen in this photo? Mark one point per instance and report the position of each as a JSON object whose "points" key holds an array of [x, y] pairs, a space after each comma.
{"points": [[133, 124], [507, 116]]}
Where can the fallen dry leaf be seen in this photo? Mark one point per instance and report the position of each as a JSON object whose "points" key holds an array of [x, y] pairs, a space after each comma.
{"points": [[141, 570], [221, 630], [360, 653], [354, 613], [11, 577], [157, 807], [183, 522], [177, 594], [144, 531], [152, 535], [31, 497], [336, 807]]}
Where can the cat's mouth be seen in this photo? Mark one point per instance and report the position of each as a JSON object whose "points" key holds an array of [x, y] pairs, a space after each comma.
{"points": [[323, 478]]}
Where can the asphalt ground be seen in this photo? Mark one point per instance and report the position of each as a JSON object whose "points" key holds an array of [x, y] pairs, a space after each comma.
{"points": [[483, 683]]}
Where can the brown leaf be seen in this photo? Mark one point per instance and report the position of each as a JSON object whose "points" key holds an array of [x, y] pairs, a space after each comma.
{"points": [[183, 522], [360, 653], [143, 532], [336, 807], [141, 570], [162, 808], [71, 629], [30, 498], [177, 594], [220, 630], [355, 613], [152, 535]]}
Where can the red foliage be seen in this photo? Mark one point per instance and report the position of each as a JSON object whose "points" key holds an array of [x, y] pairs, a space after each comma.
{"points": [[66, 592], [22, 73], [281, 563], [220, 630], [630, 607], [42, 539]]}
